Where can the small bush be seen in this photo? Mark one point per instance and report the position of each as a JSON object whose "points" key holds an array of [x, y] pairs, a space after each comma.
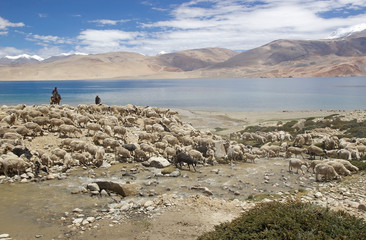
{"points": [[292, 220], [360, 164]]}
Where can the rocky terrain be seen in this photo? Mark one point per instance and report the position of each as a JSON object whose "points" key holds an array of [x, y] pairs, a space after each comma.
{"points": [[65, 190], [281, 58]]}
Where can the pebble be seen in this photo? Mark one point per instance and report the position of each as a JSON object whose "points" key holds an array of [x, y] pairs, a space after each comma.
{"points": [[77, 221], [77, 210], [318, 195]]}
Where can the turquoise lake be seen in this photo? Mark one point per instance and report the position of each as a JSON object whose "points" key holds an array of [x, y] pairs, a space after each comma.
{"points": [[264, 94]]}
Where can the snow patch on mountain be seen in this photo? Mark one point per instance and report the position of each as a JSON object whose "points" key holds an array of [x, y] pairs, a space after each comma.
{"points": [[345, 32], [25, 56]]}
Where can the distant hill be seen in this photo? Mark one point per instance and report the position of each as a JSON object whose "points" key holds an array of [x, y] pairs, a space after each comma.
{"points": [[345, 56], [295, 58]]}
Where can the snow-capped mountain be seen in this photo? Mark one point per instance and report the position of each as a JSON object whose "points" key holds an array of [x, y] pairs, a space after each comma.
{"points": [[20, 59], [346, 32], [25, 58]]}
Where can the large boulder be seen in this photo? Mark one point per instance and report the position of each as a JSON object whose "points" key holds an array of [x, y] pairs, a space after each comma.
{"points": [[157, 162], [220, 151], [120, 188]]}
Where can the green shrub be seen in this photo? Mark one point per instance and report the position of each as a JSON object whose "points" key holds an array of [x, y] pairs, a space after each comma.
{"points": [[292, 220], [360, 164]]}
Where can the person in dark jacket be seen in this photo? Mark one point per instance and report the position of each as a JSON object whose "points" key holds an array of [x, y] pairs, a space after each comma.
{"points": [[97, 100]]}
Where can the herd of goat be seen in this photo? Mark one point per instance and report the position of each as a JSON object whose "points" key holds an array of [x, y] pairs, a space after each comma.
{"points": [[89, 135]]}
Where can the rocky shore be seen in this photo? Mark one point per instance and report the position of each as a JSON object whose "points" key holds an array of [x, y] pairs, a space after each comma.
{"points": [[134, 197]]}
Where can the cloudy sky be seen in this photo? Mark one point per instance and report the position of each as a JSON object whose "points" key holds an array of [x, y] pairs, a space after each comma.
{"points": [[51, 27]]}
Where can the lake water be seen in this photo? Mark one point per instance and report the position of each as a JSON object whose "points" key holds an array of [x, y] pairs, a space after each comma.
{"points": [[262, 94]]}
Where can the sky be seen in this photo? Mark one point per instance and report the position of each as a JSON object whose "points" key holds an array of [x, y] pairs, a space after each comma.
{"points": [[51, 27]]}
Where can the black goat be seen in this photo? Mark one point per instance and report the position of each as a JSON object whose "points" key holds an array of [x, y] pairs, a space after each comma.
{"points": [[20, 151], [130, 147], [182, 157]]}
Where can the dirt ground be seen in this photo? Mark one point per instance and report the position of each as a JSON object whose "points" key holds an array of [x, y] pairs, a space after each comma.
{"points": [[189, 213]]}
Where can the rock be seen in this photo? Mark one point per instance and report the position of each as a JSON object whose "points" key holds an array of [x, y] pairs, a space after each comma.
{"points": [[362, 207], [50, 176], [175, 174], [168, 170], [90, 219], [318, 195], [122, 189], [148, 203], [157, 162], [203, 189], [77, 210], [93, 187], [77, 221], [4, 235], [104, 193], [220, 151], [215, 171]]}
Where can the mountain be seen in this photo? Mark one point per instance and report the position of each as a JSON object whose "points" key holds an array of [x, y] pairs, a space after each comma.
{"points": [[20, 59], [343, 56], [299, 58]]}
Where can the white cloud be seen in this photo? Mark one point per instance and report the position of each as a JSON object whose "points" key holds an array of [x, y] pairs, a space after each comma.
{"points": [[5, 51], [3, 33], [96, 41], [5, 24], [233, 24], [46, 40], [103, 22]]}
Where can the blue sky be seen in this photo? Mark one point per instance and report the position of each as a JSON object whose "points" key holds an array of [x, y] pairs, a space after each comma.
{"points": [[52, 27]]}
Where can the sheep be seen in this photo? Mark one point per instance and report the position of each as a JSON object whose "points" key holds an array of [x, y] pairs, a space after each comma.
{"points": [[123, 152], [196, 155], [186, 140], [108, 130], [296, 151], [13, 163], [148, 148], [46, 160], [141, 156], [339, 168], [55, 122], [344, 154], [93, 127], [99, 137], [144, 136], [315, 151], [99, 156], [23, 131], [34, 127], [347, 164], [326, 170], [68, 129], [169, 153], [82, 119], [77, 145], [110, 142], [313, 163], [232, 154], [297, 163], [10, 119], [182, 157], [80, 157], [171, 140], [41, 121], [60, 153], [119, 131], [250, 156], [91, 148]]}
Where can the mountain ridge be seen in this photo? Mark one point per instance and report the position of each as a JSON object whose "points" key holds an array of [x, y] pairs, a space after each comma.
{"points": [[344, 56]]}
